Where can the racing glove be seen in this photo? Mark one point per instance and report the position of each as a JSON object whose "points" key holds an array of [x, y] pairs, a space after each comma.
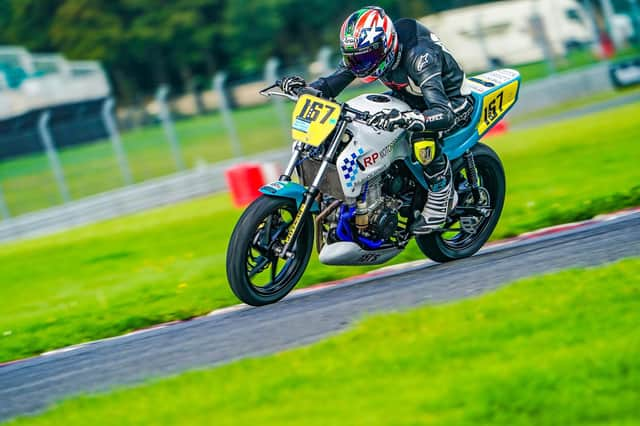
{"points": [[389, 120], [291, 85]]}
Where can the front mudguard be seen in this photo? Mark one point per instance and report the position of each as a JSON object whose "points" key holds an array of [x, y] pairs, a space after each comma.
{"points": [[291, 190]]}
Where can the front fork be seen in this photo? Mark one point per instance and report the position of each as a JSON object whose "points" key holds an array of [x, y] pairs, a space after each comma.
{"points": [[313, 191]]}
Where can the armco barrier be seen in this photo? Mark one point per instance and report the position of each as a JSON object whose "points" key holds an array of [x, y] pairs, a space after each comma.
{"points": [[135, 198], [551, 91]]}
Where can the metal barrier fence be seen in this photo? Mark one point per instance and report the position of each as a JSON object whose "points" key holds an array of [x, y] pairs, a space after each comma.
{"points": [[45, 161], [134, 198], [555, 90]]}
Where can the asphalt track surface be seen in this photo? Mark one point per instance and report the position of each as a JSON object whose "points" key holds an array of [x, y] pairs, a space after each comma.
{"points": [[31, 385]]}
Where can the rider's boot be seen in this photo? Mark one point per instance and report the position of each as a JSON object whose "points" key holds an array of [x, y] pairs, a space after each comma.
{"points": [[440, 200]]}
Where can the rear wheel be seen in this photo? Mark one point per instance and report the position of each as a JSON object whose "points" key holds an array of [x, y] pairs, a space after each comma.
{"points": [[256, 274], [469, 232]]}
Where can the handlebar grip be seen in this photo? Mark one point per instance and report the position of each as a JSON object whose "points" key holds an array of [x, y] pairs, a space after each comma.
{"points": [[308, 90]]}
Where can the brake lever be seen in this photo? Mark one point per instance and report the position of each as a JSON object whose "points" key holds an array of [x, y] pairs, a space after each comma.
{"points": [[281, 94], [265, 91]]}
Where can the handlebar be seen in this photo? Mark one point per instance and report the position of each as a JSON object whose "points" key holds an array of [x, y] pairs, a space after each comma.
{"points": [[308, 90], [304, 90], [359, 115]]}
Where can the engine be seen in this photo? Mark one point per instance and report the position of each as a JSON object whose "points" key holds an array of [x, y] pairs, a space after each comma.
{"points": [[376, 214]]}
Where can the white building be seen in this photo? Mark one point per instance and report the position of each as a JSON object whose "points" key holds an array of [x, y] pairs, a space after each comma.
{"points": [[30, 81], [505, 32]]}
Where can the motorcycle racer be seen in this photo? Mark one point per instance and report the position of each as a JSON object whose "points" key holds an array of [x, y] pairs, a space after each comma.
{"points": [[411, 61]]}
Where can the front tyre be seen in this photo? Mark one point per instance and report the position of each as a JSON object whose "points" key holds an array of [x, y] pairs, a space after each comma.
{"points": [[466, 241], [257, 276]]}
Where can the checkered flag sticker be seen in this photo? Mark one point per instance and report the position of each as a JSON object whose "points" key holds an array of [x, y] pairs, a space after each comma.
{"points": [[350, 167]]}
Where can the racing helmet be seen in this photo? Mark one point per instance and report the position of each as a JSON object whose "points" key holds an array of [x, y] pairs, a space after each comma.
{"points": [[369, 43]]}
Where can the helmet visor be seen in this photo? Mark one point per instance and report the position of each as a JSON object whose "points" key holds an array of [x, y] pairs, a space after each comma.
{"points": [[362, 63]]}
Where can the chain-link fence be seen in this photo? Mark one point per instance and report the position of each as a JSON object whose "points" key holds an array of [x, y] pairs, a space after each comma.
{"points": [[60, 154]]}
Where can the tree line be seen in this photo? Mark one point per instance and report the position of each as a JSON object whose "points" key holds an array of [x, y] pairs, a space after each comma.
{"points": [[144, 43]]}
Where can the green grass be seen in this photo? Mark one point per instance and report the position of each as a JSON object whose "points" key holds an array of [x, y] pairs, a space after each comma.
{"points": [[119, 275], [558, 349], [571, 170]]}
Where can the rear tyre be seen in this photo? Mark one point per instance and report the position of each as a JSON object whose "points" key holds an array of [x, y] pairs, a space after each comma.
{"points": [[448, 246], [256, 275]]}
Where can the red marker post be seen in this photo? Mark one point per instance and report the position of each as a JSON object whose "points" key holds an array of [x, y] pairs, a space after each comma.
{"points": [[244, 182]]}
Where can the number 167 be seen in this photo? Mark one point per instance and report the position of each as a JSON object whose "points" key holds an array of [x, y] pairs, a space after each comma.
{"points": [[311, 111]]}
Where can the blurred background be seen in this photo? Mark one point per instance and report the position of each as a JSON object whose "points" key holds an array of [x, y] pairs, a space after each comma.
{"points": [[110, 107]]}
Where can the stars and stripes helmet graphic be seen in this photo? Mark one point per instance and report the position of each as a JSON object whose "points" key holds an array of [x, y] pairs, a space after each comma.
{"points": [[369, 43]]}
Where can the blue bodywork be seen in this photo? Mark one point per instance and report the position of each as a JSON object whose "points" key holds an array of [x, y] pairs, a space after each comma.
{"points": [[344, 233], [464, 139], [292, 190]]}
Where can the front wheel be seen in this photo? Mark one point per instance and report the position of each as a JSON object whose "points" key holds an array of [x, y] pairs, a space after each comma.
{"points": [[256, 274], [470, 232]]}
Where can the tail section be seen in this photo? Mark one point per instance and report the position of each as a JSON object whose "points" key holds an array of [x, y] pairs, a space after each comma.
{"points": [[497, 91]]}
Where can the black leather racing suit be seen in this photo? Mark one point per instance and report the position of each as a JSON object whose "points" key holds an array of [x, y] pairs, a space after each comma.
{"points": [[426, 76]]}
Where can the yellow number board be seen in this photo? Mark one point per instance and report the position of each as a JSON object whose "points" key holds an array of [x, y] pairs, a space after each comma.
{"points": [[495, 104], [313, 119]]}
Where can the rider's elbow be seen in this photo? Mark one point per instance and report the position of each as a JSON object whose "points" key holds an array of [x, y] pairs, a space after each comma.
{"points": [[440, 118]]}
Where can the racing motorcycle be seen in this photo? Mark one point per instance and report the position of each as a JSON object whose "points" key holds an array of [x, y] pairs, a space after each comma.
{"points": [[358, 189]]}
